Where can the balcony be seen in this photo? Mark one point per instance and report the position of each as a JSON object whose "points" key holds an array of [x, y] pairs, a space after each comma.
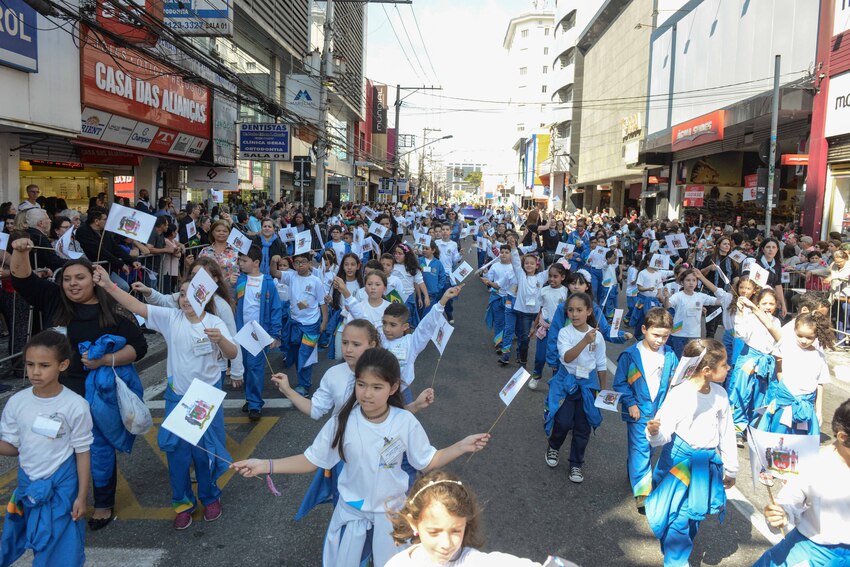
{"points": [[560, 78], [564, 40]]}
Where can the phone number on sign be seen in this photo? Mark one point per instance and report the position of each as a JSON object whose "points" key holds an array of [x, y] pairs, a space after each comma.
{"points": [[198, 25]]}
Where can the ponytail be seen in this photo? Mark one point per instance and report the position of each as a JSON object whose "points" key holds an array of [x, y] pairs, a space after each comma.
{"points": [[822, 326]]}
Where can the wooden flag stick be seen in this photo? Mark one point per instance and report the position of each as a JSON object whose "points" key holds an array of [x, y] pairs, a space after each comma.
{"points": [[434, 379], [214, 455], [488, 433], [773, 503], [268, 362], [102, 234]]}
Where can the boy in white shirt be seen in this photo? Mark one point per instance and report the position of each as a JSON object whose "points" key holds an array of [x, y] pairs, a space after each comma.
{"points": [[450, 257], [500, 279]]}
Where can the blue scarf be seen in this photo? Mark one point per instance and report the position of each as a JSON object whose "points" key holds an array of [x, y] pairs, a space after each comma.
{"points": [[266, 244]]}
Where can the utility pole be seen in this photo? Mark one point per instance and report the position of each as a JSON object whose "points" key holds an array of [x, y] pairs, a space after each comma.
{"points": [[425, 132], [771, 167], [398, 100], [324, 77]]}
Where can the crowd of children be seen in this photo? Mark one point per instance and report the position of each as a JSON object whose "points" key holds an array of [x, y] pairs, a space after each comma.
{"points": [[375, 307]]}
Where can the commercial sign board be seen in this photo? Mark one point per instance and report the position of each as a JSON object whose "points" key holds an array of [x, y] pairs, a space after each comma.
{"points": [[199, 17], [131, 100], [838, 106], [379, 109], [702, 130], [18, 36], [135, 21], [224, 131], [841, 22], [302, 97], [268, 142], [694, 196], [219, 178]]}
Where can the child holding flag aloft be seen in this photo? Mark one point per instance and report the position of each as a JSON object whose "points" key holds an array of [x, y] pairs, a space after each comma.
{"points": [[530, 281], [500, 279], [755, 366], [699, 459], [308, 317], [370, 434], [552, 297], [688, 307], [49, 429], [257, 300], [650, 282], [413, 290], [795, 399], [643, 377], [195, 345], [817, 503], [572, 391], [610, 283], [450, 256], [433, 274], [373, 306]]}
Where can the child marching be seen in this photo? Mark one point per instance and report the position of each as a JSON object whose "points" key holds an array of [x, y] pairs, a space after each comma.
{"points": [[370, 434], [644, 371], [552, 297], [688, 307], [49, 429], [699, 459], [500, 279]]}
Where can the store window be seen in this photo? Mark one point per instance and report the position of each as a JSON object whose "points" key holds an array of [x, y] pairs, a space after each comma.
{"points": [[839, 218], [76, 186]]}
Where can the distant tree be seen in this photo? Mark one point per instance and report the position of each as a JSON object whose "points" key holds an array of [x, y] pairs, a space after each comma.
{"points": [[473, 178]]}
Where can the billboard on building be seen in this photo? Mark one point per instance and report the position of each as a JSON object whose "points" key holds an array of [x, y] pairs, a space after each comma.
{"points": [[18, 36], [301, 97], [379, 109], [199, 17], [267, 142]]}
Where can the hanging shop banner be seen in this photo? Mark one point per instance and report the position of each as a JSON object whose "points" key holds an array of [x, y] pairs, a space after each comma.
{"points": [[694, 195], [379, 109], [302, 97], [18, 36], [136, 22], [269, 142], [200, 17], [224, 131], [702, 130], [130, 100]]}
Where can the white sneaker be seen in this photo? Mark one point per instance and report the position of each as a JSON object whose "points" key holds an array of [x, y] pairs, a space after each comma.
{"points": [[551, 457], [532, 383], [576, 475]]}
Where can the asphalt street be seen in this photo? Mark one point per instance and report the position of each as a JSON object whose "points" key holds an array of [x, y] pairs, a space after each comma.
{"points": [[530, 510]]}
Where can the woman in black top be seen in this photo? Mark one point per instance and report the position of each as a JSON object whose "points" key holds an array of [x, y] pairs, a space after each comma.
{"points": [[87, 313], [551, 238], [767, 259], [714, 267]]}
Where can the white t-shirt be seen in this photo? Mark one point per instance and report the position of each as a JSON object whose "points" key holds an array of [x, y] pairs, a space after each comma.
{"points": [[364, 310], [408, 347], [596, 258], [704, 421], [415, 556], [306, 294], [39, 455], [503, 276], [251, 301], [550, 299], [751, 330], [609, 275], [373, 451], [631, 284], [334, 390], [688, 310], [528, 287], [339, 249], [652, 280], [818, 501], [587, 360], [190, 353], [653, 367], [408, 282], [802, 370], [449, 254]]}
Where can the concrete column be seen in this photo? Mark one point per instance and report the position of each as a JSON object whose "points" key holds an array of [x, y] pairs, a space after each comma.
{"points": [[10, 179], [145, 175]]}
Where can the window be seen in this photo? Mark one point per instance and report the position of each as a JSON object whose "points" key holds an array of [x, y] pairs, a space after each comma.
{"points": [[545, 69], [523, 71], [543, 89], [545, 51], [520, 127], [564, 129], [546, 31], [523, 33]]}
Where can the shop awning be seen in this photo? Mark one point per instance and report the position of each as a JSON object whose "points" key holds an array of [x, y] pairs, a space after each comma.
{"points": [[125, 150]]}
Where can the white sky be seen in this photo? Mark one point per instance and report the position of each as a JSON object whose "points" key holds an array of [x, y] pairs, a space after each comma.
{"points": [[464, 39]]}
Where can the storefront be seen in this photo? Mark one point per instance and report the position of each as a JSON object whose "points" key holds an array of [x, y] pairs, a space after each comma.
{"points": [[836, 209], [73, 182]]}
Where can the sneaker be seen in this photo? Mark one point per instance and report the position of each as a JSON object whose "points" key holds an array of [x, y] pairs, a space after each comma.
{"points": [[532, 383], [552, 457], [212, 511], [182, 521], [640, 503], [452, 321], [254, 414], [739, 440], [505, 358], [245, 407], [576, 475]]}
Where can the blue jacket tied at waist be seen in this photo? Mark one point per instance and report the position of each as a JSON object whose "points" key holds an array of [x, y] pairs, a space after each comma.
{"points": [[564, 384]]}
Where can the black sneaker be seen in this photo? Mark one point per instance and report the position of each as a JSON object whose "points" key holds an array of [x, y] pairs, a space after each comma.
{"points": [[552, 457], [640, 503], [245, 407], [576, 475], [505, 359], [254, 415]]}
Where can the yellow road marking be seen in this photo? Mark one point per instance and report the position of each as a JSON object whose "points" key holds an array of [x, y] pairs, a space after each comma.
{"points": [[127, 506]]}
